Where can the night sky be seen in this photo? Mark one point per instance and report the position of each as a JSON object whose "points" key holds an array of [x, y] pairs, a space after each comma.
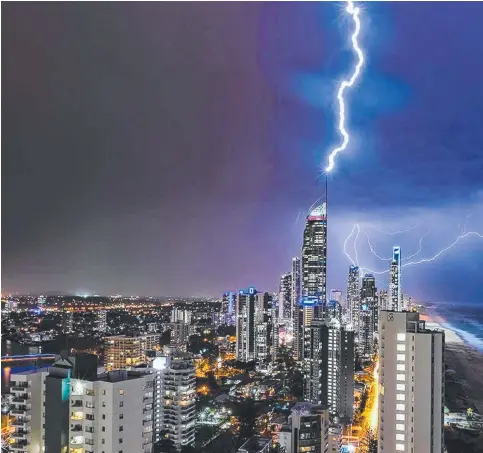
{"points": [[175, 148]]}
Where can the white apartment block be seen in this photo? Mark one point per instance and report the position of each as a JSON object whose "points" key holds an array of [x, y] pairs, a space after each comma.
{"points": [[27, 407], [113, 414], [55, 412], [411, 385]]}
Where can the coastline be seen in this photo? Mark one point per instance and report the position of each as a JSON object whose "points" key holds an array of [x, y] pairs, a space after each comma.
{"points": [[464, 369]]}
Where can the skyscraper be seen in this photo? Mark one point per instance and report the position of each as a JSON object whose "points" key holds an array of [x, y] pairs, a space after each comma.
{"points": [[285, 298], [314, 266], [245, 324], [368, 305], [395, 284], [295, 293], [263, 327], [228, 308], [329, 367], [176, 376], [353, 296], [313, 276], [411, 399]]}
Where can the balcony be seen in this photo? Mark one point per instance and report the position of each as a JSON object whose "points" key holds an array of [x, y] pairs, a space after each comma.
{"points": [[20, 411], [76, 403], [76, 428]]}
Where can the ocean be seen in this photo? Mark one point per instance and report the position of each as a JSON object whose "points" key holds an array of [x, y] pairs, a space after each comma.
{"points": [[465, 320]]}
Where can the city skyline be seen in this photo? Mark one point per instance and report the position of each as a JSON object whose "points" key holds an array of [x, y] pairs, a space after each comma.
{"points": [[126, 182]]}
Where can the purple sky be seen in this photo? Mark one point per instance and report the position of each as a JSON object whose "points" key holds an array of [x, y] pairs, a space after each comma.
{"points": [[169, 148]]}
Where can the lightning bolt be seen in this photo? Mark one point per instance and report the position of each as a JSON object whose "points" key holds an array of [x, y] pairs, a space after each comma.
{"points": [[354, 12], [357, 228]]}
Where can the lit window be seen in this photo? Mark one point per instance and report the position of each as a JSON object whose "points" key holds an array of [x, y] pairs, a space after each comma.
{"points": [[401, 337], [401, 367], [399, 426], [400, 407], [400, 397], [401, 377], [400, 417], [401, 387], [401, 347], [401, 357], [400, 447], [400, 437], [121, 392]]}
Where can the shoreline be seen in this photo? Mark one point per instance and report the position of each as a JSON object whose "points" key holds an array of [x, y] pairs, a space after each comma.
{"points": [[464, 369]]}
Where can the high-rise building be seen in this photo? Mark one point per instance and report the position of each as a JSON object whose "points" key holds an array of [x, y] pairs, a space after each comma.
{"points": [[245, 324], [263, 327], [395, 283], [71, 408], [353, 296], [179, 335], [411, 396], [67, 322], [126, 352], [296, 291], [285, 298], [329, 367], [313, 278], [41, 301], [101, 321], [307, 429], [367, 310], [228, 308], [314, 265], [297, 310], [178, 314], [175, 383]]}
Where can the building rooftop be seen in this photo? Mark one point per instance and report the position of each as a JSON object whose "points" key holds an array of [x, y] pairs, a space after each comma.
{"points": [[256, 444]]}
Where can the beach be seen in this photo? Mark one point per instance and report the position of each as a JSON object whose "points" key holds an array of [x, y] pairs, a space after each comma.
{"points": [[464, 370]]}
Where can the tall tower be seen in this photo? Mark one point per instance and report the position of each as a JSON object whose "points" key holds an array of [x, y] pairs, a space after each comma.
{"points": [[263, 328], [245, 324], [395, 285], [411, 398], [353, 295], [314, 263], [297, 310], [367, 307], [285, 298]]}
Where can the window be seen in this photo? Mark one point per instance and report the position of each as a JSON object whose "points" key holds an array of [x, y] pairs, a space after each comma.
{"points": [[401, 347], [121, 416], [120, 440], [121, 404], [401, 377], [400, 437], [401, 357], [401, 387], [103, 441], [401, 367], [103, 392], [121, 428], [400, 407], [400, 397], [103, 416], [401, 337], [121, 391], [399, 427], [103, 429], [400, 447], [400, 417], [103, 404]]}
